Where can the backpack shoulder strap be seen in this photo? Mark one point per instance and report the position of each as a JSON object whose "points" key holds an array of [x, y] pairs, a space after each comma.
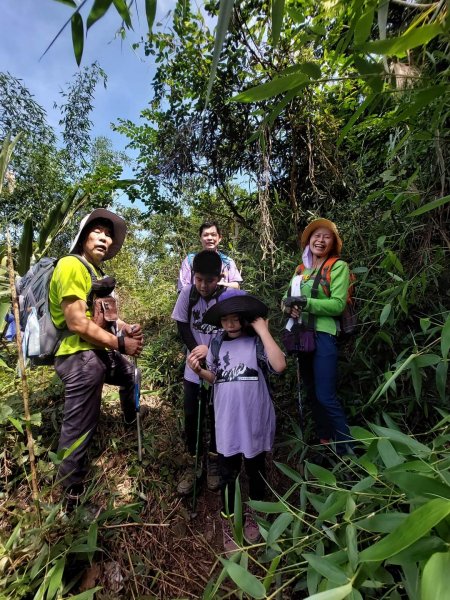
{"points": [[325, 273], [88, 267], [225, 259], [193, 299], [215, 345]]}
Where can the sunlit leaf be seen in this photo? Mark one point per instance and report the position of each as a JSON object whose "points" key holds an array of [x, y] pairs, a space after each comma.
{"points": [[399, 45], [436, 577], [338, 593], [415, 526], [271, 88]]}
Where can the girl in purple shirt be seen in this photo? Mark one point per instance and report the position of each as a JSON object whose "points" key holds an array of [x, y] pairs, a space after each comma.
{"points": [[244, 412]]}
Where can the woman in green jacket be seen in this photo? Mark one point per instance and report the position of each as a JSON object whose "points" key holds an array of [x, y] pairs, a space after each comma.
{"points": [[320, 286]]}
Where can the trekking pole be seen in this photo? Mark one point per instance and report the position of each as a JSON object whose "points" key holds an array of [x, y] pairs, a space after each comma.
{"points": [[299, 393], [137, 404], [197, 447]]}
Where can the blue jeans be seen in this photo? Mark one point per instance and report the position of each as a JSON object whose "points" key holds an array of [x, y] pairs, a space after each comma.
{"points": [[318, 370]]}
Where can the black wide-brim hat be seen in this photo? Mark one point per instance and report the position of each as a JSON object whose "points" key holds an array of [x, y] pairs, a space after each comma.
{"points": [[235, 301]]}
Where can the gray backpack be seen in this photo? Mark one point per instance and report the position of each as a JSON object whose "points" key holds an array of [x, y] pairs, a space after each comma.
{"points": [[41, 338]]}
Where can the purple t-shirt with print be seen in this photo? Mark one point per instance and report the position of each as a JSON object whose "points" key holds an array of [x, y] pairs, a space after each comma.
{"points": [[243, 408], [230, 272], [201, 331]]}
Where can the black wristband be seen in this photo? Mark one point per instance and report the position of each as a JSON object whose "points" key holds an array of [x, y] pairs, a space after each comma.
{"points": [[121, 344]]}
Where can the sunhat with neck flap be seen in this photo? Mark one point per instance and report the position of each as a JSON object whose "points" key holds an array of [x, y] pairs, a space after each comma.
{"points": [[119, 231]]}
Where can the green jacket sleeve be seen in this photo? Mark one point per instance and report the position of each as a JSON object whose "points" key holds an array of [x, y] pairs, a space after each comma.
{"points": [[334, 305]]}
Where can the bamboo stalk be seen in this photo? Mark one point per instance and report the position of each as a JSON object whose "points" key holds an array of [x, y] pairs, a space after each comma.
{"points": [[24, 382]]}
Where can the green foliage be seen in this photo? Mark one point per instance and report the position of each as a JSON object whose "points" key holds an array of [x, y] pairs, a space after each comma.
{"points": [[366, 527]]}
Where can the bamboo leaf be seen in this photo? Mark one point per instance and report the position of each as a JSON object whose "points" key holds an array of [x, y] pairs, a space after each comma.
{"points": [[352, 546], [225, 10], [77, 36], [399, 45], [150, 13], [246, 581], [415, 526], [267, 507], [87, 595], [56, 578], [355, 116], [70, 3], [445, 337], [124, 12], [326, 568], [427, 360], [271, 88], [25, 249], [289, 472], [98, 9], [441, 379], [385, 314], [393, 377], [322, 474], [338, 593], [419, 485], [436, 577], [397, 436], [430, 206], [416, 377], [363, 26], [278, 527], [277, 20], [382, 523]]}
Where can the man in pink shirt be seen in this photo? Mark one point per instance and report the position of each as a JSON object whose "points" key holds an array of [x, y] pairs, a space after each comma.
{"points": [[210, 239]]}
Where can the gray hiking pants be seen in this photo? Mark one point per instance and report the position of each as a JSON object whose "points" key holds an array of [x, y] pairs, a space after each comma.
{"points": [[83, 375]]}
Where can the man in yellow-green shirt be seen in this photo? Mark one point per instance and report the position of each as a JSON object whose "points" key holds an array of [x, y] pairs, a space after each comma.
{"points": [[90, 354]]}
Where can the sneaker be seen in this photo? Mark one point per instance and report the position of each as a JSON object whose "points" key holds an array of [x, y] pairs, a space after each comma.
{"points": [[212, 476], [229, 545], [186, 483], [251, 529]]}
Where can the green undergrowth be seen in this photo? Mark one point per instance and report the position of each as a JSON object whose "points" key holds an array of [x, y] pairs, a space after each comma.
{"points": [[373, 526]]}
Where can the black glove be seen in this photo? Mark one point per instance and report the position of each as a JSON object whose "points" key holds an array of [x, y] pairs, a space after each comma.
{"points": [[299, 302]]}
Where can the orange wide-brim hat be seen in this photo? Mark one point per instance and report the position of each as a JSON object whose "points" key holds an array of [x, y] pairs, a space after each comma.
{"points": [[311, 227]]}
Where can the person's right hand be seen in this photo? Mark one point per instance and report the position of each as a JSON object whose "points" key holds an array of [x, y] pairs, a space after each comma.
{"points": [[133, 345], [194, 363], [200, 352]]}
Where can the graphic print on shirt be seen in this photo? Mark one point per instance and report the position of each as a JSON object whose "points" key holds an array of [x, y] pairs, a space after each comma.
{"points": [[236, 367], [198, 325]]}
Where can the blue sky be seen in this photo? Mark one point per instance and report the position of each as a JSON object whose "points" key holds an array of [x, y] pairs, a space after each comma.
{"points": [[28, 26]]}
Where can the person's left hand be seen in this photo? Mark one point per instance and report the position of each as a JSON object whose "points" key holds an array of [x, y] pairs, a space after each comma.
{"points": [[200, 352], [260, 325]]}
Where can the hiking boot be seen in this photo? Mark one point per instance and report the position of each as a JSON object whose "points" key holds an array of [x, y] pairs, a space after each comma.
{"points": [[186, 483], [229, 545], [212, 475], [251, 529], [73, 496], [144, 411]]}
